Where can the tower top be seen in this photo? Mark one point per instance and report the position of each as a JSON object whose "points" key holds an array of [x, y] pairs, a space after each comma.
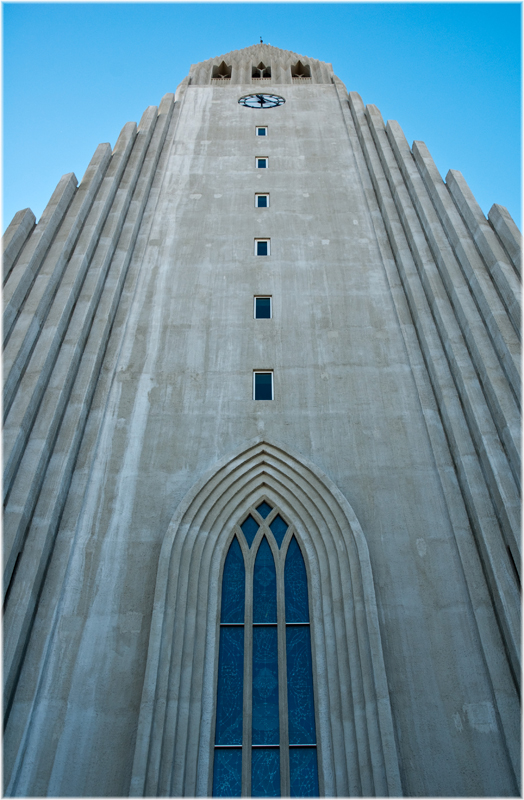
{"points": [[260, 62]]}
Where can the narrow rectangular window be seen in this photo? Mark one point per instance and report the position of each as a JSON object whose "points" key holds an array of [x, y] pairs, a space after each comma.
{"points": [[263, 386], [262, 247], [261, 131], [261, 201], [262, 307], [262, 162]]}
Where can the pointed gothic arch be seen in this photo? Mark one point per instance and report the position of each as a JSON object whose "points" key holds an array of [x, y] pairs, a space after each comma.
{"points": [[300, 70], [261, 71], [357, 751], [221, 71]]}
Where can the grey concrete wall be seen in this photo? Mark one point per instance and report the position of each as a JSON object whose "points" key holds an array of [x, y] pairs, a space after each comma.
{"points": [[393, 344]]}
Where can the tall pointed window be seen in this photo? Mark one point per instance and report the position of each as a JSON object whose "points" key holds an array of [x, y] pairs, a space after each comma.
{"points": [[265, 731]]}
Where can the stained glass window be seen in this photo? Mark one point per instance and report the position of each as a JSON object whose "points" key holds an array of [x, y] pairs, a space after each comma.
{"points": [[265, 772], [301, 713], [303, 772], [264, 509], [295, 581], [266, 724], [278, 529], [264, 585], [227, 774], [233, 585], [249, 529], [250, 640]]}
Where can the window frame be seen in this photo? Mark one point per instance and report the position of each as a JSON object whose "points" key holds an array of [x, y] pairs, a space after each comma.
{"points": [[259, 255], [264, 372], [261, 158], [261, 194], [249, 553], [262, 297], [260, 128]]}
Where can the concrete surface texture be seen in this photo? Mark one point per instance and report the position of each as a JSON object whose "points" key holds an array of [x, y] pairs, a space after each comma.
{"points": [[133, 446]]}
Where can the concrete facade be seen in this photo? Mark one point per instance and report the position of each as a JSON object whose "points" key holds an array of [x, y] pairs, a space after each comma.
{"points": [[133, 444]]}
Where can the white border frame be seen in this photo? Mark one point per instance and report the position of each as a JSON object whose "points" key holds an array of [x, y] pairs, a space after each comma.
{"points": [[268, 247], [263, 297]]}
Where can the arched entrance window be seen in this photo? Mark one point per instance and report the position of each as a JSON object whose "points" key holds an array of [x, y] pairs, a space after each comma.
{"points": [[265, 728], [334, 672]]}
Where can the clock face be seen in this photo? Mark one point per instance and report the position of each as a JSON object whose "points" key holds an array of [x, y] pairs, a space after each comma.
{"points": [[261, 100]]}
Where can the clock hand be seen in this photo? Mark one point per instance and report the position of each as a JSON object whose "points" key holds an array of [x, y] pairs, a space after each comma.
{"points": [[260, 99]]}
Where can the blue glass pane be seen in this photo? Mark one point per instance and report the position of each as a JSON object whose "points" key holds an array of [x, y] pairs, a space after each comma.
{"points": [[301, 713], [303, 772], [227, 773], [262, 304], [263, 386], [233, 585], [265, 686], [278, 529], [249, 529], [264, 509], [264, 585], [265, 772], [295, 585], [230, 686]]}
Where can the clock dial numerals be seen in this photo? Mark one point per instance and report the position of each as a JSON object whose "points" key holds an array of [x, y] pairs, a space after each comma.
{"points": [[261, 100]]}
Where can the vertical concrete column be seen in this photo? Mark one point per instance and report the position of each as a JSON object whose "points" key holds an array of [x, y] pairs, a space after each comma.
{"points": [[285, 74], [31, 320], [23, 273], [15, 237], [508, 233], [235, 73], [195, 74], [498, 394], [32, 466], [276, 72], [501, 330], [44, 524], [490, 543], [244, 72], [19, 420], [502, 487], [403, 293], [501, 270], [181, 88]]}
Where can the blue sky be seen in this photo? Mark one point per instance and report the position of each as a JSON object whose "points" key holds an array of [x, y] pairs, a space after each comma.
{"points": [[75, 73]]}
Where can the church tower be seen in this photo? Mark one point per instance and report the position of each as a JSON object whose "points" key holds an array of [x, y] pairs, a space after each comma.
{"points": [[261, 458]]}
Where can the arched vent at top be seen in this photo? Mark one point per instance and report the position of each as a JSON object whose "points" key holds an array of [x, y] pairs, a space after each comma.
{"points": [[300, 70], [221, 72], [261, 71]]}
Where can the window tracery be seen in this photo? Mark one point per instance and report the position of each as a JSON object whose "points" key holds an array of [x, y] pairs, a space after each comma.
{"points": [[265, 729]]}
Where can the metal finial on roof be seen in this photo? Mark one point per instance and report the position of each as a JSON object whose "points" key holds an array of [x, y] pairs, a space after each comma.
{"points": [[261, 42]]}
